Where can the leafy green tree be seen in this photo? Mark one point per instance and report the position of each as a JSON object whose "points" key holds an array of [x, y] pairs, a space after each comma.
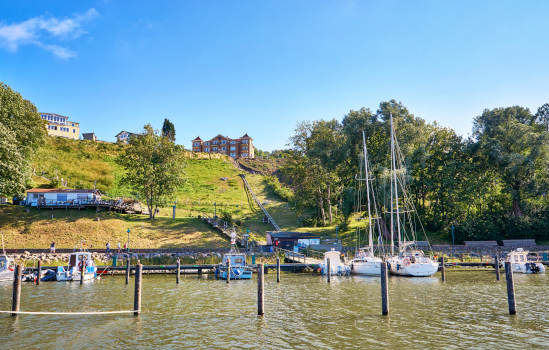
{"points": [[154, 168], [23, 132], [543, 115], [168, 130], [513, 144]]}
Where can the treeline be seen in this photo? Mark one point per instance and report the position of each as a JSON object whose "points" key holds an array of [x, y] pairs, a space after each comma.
{"points": [[492, 185]]}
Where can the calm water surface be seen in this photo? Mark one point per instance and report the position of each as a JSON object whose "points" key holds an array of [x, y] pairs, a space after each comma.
{"points": [[469, 310]]}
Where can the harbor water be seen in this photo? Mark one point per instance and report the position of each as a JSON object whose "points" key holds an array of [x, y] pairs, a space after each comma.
{"points": [[469, 310]]}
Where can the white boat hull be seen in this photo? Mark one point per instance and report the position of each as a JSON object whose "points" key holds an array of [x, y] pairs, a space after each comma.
{"points": [[67, 277], [369, 268], [6, 275], [527, 267], [417, 269]]}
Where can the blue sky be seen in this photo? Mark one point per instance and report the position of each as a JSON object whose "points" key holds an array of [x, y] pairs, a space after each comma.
{"points": [[259, 67]]}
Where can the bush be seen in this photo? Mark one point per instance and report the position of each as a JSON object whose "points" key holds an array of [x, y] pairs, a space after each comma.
{"points": [[279, 190]]}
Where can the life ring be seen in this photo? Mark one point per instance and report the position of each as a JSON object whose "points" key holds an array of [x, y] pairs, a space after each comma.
{"points": [[406, 262], [80, 265]]}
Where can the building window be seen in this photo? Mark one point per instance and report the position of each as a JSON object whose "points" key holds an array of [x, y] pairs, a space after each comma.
{"points": [[74, 131], [214, 149], [233, 154], [207, 143], [233, 142], [223, 142], [224, 148], [244, 147], [244, 141], [61, 197], [233, 148], [215, 142], [244, 154], [197, 144], [207, 149]]}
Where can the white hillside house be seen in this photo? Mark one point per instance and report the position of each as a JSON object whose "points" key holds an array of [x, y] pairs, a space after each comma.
{"points": [[61, 196]]}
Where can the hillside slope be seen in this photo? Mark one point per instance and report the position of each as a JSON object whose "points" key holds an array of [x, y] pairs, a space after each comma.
{"points": [[213, 185]]}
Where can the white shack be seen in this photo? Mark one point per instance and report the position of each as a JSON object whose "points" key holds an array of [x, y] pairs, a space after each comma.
{"points": [[61, 196]]}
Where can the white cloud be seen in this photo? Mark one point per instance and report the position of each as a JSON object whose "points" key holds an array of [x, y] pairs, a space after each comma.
{"points": [[39, 30]]}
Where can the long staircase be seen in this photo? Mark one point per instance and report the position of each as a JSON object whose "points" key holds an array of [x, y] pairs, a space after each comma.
{"points": [[258, 202]]}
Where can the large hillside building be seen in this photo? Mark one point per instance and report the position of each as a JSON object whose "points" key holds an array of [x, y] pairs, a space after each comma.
{"points": [[237, 148], [59, 125]]}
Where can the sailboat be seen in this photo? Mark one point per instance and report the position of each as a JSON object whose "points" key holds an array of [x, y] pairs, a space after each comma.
{"points": [[408, 261], [6, 265], [365, 262]]}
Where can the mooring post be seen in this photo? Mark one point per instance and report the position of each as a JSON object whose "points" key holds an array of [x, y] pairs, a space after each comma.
{"points": [[199, 271], [277, 270], [39, 272], [328, 270], [82, 269], [510, 288], [443, 269], [16, 299], [178, 273], [228, 269], [128, 270], [384, 290], [496, 266], [137, 292], [260, 285]]}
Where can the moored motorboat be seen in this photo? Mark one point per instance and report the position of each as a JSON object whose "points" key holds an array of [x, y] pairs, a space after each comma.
{"points": [[336, 266], [521, 263], [412, 263], [238, 268], [6, 268], [72, 271]]}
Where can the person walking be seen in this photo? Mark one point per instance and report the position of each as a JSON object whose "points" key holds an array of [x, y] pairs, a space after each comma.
{"points": [[52, 247], [108, 247], [126, 246]]}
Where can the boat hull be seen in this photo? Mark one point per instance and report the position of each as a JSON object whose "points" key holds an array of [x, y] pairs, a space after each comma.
{"points": [[368, 268], [236, 273], [419, 269], [529, 268]]}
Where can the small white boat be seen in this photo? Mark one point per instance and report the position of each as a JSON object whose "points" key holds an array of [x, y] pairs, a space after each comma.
{"points": [[412, 263], [521, 264], [6, 268], [365, 263], [72, 271], [336, 266]]}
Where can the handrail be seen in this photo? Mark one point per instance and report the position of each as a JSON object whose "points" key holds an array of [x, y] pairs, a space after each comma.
{"points": [[269, 217]]}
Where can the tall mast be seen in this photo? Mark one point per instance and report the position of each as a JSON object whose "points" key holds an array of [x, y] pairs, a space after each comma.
{"points": [[367, 172], [393, 156], [391, 210]]}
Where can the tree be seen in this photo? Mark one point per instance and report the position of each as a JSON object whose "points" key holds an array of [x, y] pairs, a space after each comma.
{"points": [[511, 141], [13, 165], [22, 133], [154, 168], [543, 115], [168, 130]]}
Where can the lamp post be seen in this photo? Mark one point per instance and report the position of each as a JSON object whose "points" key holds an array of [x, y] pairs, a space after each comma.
{"points": [[453, 234], [128, 240]]}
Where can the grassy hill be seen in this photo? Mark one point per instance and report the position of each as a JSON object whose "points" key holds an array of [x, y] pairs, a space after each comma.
{"points": [[83, 164]]}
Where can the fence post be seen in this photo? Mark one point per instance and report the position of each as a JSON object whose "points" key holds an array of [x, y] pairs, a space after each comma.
{"points": [[260, 285], [443, 269], [510, 288], [16, 298], [277, 270], [39, 272], [82, 269], [384, 290], [178, 273], [496, 266], [328, 270], [137, 291], [128, 270]]}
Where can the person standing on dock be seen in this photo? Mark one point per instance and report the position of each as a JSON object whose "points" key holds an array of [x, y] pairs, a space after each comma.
{"points": [[108, 247], [52, 247]]}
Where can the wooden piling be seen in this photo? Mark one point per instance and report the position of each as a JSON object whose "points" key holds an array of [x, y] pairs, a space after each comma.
{"points": [[127, 271], [137, 292], [199, 271], [39, 272], [16, 298], [260, 289], [384, 290], [277, 270], [510, 288], [443, 269], [496, 266], [82, 269], [228, 270], [178, 273], [328, 270]]}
